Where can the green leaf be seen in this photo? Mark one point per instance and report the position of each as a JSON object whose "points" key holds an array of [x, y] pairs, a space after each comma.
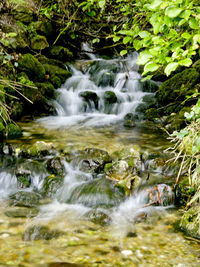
{"points": [[154, 4], [123, 52], [126, 39], [173, 12], [181, 134], [150, 67], [116, 38], [171, 67], [144, 57], [185, 14], [186, 35], [185, 62], [195, 197], [11, 34], [193, 23], [102, 3], [144, 34]]}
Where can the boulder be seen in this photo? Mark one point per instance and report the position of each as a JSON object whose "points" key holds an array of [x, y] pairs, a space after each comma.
{"points": [[91, 98], [39, 42], [51, 184], [40, 232], [60, 53], [150, 86], [13, 131], [23, 13], [55, 71], [55, 166], [19, 212], [98, 216], [149, 99], [24, 199], [32, 67], [38, 149], [44, 28], [129, 120]]}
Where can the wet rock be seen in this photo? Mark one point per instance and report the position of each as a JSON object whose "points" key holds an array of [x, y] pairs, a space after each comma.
{"points": [[190, 222], [177, 87], [110, 98], [13, 131], [152, 114], [39, 149], [141, 108], [32, 67], [46, 89], [150, 86], [43, 27], [150, 100], [61, 53], [98, 192], [40, 232], [55, 71], [39, 42], [55, 166], [23, 13], [129, 120], [51, 184], [24, 199], [91, 98], [22, 212], [23, 178], [98, 217], [91, 159]]}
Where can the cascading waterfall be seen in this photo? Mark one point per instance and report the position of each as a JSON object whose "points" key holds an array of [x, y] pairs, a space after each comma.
{"points": [[100, 95]]}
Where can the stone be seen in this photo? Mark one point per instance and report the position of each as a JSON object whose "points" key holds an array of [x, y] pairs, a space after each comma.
{"points": [[23, 178], [53, 71], [110, 98], [47, 89], [24, 199], [61, 53], [40, 232], [98, 217], [22, 212], [129, 120], [51, 184], [149, 99], [38, 149], [190, 222], [32, 67], [150, 86], [23, 13], [44, 27], [13, 131], [91, 98], [39, 42], [55, 166]]}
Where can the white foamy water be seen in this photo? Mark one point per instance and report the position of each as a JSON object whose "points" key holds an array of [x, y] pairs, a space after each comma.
{"points": [[102, 77]]}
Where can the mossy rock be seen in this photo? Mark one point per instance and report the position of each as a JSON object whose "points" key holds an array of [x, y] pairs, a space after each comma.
{"points": [[46, 89], [177, 87], [149, 100], [149, 86], [177, 121], [40, 232], [151, 114], [13, 131], [23, 178], [129, 120], [39, 42], [15, 41], [98, 217], [190, 222], [91, 98], [110, 98], [55, 166], [44, 27], [61, 53], [53, 71], [23, 13], [38, 149], [19, 212], [51, 184], [24, 199], [16, 110], [32, 67]]}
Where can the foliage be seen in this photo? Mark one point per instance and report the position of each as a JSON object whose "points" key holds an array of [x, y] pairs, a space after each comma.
{"points": [[187, 150]]}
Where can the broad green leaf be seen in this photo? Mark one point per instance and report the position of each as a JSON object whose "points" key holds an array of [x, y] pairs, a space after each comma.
{"points": [[171, 67], [116, 38], [193, 23], [173, 12], [123, 52], [150, 67], [144, 57], [144, 34], [102, 3], [154, 4], [156, 27], [196, 38], [186, 35], [185, 14], [168, 21], [188, 115], [185, 62], [181, 134], [127, 39], [181, 22], [11, 34]]}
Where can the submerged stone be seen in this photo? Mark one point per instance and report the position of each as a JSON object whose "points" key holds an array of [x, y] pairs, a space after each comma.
{"points": [[22, 212], [55, 166], [51, 184], [129, 120], [91, 98], [98, 217], [40, 232], [24, 199]]}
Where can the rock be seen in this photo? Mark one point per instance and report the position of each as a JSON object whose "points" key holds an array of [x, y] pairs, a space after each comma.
{"points": [[151, 114], [23, 13], [190, 222], [149, 99], [13, 131], [38, 149], [32, 67], [46, 89], [129, 120], [177, 87], [39, 42], [177, 121], [55, 166], [91, 159], [23, 178], [51, 184], [55, 71], [22, 212], [110, 98], [150, 86], [44, 27], [61, 53], [25, 199], [91, 98], [98, 216], [99, 192], [141, 109], [40, 232]]}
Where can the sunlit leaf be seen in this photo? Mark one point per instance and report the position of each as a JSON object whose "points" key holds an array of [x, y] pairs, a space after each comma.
{"points": [[185, 62], [171, 67], [173, 12]]}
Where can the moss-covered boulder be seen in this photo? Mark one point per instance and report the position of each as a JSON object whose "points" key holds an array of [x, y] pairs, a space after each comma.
{"points": [[40, 232], [39, 42], [149, 100], [44, 28], [55, 71], [23, 13], [47, 89], [129, 120], [23, 178], [190, 222], [91, 98], [55, 166], [149, 86], [32, 67], [51, 184], [151, 114], [38, 149], [13, 131], [177, 87], [25, 199], [61, 53]]}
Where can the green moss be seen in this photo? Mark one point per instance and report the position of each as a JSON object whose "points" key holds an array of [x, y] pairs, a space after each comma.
{"points": [[51, 184], [151, 113], [39, 42], [61, 53], [2, 130], [53, 71], [14, 131], [32, 67], [176, 88], [43, 27], [46, 89]]}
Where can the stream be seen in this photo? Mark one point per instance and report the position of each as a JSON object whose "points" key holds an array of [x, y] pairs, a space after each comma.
{"points": [[90, 185]]}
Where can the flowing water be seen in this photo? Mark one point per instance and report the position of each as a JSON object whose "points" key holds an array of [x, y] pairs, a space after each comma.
{"points": [[90, 221]]}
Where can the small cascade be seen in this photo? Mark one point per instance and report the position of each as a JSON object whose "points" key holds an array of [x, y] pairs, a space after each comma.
{"points": [[100, 92]]}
